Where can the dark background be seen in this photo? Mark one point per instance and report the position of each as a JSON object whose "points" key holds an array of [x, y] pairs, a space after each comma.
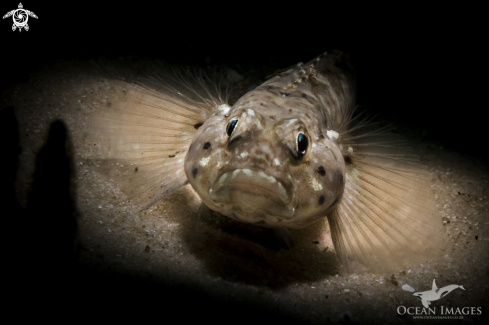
{"points": [[417, 66]]}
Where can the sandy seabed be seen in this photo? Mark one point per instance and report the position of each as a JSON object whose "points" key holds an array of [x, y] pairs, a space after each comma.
{"points": [[223, 262]]}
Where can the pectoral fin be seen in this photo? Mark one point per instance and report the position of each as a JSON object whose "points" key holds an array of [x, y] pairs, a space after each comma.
{"points": [[284, 238], [141, 138], [204, 213], [387, 217]]}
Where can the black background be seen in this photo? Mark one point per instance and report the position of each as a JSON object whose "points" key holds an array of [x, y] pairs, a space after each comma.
{"points": [[418, 66]]}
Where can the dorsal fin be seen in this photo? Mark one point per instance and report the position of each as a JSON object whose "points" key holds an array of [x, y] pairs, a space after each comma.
{"points": [[300, 74], [328, 61]]}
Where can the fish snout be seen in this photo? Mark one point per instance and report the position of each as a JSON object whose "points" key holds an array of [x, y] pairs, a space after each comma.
{"points": [[264, 152], [257, 168], [250, 194]]}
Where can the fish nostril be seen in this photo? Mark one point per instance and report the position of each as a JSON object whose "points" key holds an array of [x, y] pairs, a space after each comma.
{"points": [[321, 171]]}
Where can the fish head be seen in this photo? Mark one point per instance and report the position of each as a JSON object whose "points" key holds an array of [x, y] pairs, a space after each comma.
{"points": [[267, 160], [271, 159]]}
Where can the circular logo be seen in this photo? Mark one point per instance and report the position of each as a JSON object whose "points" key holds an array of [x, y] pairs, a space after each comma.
{"points": [[20, 17]]}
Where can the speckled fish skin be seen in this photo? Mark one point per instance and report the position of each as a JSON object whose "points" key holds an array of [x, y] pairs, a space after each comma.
{"points": [[255, 175]]}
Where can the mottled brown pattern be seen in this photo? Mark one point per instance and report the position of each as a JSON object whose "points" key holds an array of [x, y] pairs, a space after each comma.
{"points": [[258, 167]]}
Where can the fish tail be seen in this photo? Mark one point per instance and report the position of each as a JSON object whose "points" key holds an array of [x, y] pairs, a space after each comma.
{"points": [[387, 218], [141, 140]]}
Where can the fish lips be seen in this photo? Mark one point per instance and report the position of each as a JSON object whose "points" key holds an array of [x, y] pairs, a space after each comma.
{"points": [[253, 191]]}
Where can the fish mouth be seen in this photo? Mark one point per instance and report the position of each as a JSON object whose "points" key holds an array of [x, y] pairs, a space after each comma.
{"points": [[253, 191]]}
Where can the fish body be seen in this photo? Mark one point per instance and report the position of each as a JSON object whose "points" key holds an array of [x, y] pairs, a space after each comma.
{"points": [[285, 155]]}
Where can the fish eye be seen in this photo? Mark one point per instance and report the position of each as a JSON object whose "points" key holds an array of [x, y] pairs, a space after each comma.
{"points": [[232, 126], [302, 143]]}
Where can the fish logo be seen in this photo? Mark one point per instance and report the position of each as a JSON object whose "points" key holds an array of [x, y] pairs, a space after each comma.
{"points": [[20, 17], [435, 293]]}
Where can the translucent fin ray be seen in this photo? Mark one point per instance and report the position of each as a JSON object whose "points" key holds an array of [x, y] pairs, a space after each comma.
{"points": [[387, 217], [140, 142]]}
